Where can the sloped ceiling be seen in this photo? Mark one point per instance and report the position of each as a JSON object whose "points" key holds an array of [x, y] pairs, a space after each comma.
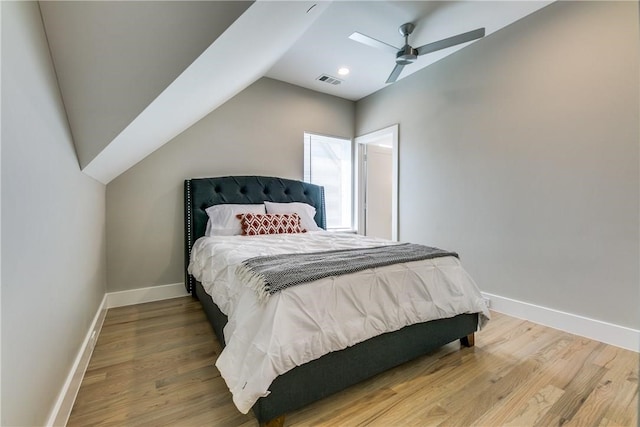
{"points": [[245, 47], [134, 74], [114, 58]]}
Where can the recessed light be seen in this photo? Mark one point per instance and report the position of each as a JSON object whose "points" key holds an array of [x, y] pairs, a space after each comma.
{"points": [[343, 71]]}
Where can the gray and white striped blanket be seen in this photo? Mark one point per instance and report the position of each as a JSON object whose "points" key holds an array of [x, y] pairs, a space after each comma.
{"points": [[273, 273]]}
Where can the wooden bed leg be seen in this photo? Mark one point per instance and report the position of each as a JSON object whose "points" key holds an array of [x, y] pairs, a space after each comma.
{"points": [[276, 422], [469, 340]]}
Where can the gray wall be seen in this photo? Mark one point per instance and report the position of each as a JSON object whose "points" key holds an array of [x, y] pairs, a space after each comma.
{"points": [[521, 152], [53, 227], [258, 132]]}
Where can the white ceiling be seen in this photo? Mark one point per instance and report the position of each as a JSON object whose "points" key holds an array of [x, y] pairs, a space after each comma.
{"points": [[325, 47], [131, 80]]}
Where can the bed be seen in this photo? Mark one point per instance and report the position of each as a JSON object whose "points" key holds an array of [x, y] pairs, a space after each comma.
{"points": [[336, 370]]}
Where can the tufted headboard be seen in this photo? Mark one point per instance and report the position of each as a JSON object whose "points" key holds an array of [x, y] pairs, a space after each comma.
{"points": [[200, 193]]}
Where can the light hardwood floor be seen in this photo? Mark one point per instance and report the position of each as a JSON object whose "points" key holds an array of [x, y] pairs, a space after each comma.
{"points": [[154, 365]]}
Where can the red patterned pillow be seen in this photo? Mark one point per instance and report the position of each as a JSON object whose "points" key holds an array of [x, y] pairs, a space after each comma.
{"points": [[254, 224]]}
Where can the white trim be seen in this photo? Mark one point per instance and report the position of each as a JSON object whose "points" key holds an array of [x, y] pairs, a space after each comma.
{"points": [[60, 412], [372, 138], [142, 295], [609, 333]]}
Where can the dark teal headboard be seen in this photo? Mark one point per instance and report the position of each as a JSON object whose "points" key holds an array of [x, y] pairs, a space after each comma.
{"points": [[200, 193]]}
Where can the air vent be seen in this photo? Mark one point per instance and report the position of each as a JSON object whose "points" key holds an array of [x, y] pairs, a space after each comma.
{"points": [[328, 79]]}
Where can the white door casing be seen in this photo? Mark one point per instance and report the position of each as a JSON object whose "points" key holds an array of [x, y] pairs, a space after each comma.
{"points": [[387, 136]]}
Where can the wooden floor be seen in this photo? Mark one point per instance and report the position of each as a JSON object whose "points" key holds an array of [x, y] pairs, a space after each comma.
{"points": [[154, 365]]}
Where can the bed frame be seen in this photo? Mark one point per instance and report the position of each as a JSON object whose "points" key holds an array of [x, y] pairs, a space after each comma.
{"points": [[332, 372]]}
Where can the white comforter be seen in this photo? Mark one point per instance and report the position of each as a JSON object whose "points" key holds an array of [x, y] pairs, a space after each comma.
{"points": [[304, 322]]}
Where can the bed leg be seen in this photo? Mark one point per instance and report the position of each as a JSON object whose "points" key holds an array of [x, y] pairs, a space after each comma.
{"points": [[276, 422], [468, 341]]}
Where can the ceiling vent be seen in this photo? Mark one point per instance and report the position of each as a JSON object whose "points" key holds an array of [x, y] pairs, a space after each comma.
{"points": [[328, 79]]}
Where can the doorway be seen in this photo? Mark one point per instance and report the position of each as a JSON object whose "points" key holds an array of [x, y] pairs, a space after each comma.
{"points": [[377, 183]]}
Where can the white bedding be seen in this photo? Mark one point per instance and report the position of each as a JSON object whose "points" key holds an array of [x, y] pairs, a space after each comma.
{"points": [[304, 322]]}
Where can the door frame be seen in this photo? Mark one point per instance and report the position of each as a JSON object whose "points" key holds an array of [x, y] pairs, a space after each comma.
{"points": [[360, 142]]}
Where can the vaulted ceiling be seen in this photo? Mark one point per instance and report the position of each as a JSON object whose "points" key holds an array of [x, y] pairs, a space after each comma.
{"points": [[114, 58], [134, 74]]}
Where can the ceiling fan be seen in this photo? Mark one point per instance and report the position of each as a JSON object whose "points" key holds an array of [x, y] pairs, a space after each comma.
{"points": [[407, 54]]}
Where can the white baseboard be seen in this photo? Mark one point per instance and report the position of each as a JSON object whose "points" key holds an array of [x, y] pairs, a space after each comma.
{"points": [[59, 415], [609, 333], [617, 335], [142, 295]]}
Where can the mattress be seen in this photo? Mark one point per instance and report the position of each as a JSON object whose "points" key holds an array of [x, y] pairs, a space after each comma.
{"points": [[304, 322]]}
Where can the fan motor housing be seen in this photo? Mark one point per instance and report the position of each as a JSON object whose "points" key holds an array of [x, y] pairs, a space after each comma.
{"points": [[406, 55]]}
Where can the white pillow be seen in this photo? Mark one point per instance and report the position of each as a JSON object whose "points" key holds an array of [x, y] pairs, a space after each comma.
{"points": [[306, 212], [223, 221]]}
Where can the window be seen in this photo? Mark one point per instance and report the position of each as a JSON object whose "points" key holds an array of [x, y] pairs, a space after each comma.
{"points": [[327, 162]]}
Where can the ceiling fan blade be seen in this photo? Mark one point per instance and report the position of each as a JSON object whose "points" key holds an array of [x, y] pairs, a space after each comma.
{"points": [[450, 41], [370, 41], [395, 73]]}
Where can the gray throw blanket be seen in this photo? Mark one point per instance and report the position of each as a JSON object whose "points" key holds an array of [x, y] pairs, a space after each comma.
{"points": [[270, 274]]}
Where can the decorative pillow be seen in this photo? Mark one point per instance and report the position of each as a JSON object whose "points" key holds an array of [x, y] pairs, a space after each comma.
{"points": [[306, 212], [254, 224], [223, 220]]}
